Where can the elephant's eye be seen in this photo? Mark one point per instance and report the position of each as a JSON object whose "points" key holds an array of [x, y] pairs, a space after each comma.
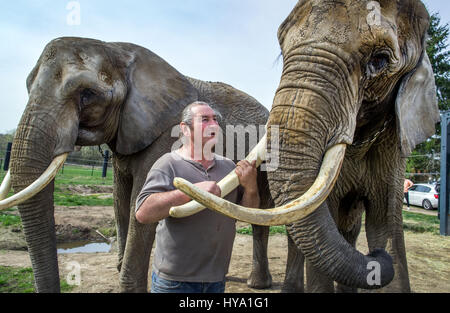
{"points": [[377, 63], [86, 96]]}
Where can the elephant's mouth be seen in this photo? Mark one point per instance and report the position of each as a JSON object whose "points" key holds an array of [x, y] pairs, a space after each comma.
{"points": [[39, 184], [288, 213]]}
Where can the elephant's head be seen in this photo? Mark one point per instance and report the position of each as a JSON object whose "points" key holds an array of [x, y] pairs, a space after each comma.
{"points": [[87, 92], [351, 68]]}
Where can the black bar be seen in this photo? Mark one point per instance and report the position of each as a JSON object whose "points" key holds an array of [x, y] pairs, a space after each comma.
{"points": [[7, 156], [444, 210], [105, 163]]}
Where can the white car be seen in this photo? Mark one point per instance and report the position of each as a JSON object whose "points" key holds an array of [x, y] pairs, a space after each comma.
{"points": [[424, 195]]}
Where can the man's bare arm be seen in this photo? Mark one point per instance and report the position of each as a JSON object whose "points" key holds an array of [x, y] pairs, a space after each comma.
{"points": [[157, 206]]}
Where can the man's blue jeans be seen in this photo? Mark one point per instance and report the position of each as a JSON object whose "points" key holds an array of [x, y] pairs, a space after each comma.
{"points": [[161, 285]]}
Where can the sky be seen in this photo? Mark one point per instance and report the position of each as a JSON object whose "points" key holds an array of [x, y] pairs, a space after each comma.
{"points": [[232, 41]]}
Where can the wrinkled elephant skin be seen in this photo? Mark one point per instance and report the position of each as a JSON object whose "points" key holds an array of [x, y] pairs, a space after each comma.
{"points": [[87, 92], [364, 80]]}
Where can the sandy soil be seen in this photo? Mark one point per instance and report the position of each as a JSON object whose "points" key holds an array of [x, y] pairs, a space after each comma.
{"points": [[428, 255]]}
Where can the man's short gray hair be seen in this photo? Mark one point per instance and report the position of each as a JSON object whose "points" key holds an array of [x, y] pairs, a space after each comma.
{"points": [[186, 115]]}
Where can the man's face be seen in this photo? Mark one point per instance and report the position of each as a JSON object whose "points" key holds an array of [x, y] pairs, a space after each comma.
{"points": [[204, 126]]}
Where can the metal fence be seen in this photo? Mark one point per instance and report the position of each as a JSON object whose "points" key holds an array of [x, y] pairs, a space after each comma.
{"points": [[98, 162]]}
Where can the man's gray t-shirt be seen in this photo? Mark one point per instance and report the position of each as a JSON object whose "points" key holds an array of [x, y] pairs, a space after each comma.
{"points": [[196, 248]]}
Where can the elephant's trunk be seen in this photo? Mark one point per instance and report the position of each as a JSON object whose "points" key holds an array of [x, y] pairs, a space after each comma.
{"points": [[36, 143], [323, 246], [31, 154], [305, 120]]}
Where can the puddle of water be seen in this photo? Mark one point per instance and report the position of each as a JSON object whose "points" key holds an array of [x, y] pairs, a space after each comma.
{"points": [[83, 247]]}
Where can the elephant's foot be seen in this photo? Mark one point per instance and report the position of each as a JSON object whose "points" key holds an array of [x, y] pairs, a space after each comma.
{"points": [[137, 283], [345, 289], [260, 279], [293, 287], [133, 287]]}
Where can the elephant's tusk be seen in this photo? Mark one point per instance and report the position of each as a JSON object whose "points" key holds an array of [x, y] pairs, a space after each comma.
{"points": [[227, 184], [37, 185], [293, 211], [6, 186]]}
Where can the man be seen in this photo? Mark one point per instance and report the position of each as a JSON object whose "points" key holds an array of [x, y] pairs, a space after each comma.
{"points": [[406, 185], [192, 254]]}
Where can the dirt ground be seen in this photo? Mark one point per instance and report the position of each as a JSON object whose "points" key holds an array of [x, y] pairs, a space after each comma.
{"points": [[428, 255]]}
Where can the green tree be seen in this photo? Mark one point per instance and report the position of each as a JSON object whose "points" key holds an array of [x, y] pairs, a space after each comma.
{"points": [[440, 60]]}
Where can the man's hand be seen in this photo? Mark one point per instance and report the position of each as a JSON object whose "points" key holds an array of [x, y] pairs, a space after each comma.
{"points": [[247, 173], [210, 186]]}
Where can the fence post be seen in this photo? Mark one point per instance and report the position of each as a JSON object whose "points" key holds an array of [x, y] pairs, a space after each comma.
{"points": [[445, 175], [105, 163], [7, 156]]}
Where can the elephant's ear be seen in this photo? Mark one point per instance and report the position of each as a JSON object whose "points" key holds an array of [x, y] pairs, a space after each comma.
{"points": [[416, 106], [157, 93]]}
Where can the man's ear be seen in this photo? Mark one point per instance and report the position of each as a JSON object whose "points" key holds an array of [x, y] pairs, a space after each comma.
{"points": [[157, 93], [416, 106], [185, 130]]}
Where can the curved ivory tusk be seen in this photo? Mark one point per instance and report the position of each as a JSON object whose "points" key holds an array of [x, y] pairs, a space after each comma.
{"points": [[227, 184], [282, 215], [37, 185], [6, 186]]}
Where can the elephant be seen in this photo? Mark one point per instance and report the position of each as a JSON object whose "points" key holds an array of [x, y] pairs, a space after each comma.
{"points": [[356, 95], [85, 92]]}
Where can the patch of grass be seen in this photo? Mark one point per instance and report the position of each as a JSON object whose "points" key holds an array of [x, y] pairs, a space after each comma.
{"points": [[420, 223], [17, 280], [245, 230], [277, 230], [2, 173], [9, 220], [78, 200], [80, 175], [419, 217], [108, 231], [21, 280], [272, 230], [83, 175], [65, 287]]}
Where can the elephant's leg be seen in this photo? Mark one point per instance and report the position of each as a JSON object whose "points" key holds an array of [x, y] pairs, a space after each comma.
{"points": [[260, 277], [384, 228], [122, 195], [135, 266], [294, 279], [396, 248], [316, 281]]}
